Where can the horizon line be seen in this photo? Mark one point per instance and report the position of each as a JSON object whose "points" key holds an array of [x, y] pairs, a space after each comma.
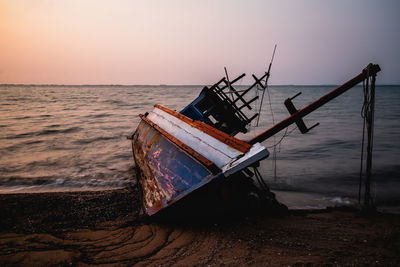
{"points": [[166, 85]]}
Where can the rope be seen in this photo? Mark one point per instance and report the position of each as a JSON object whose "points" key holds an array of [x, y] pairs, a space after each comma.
{"points": [[274, 152], [286, 134], [367, 113], [274, 155], [362, 142]]}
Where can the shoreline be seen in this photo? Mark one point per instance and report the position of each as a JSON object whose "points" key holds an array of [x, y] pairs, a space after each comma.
{"points": [[294, 200], [43, 190], [100, 227]]}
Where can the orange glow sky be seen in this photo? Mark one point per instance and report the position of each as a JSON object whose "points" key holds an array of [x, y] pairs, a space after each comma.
{"points": [[189, 42]]}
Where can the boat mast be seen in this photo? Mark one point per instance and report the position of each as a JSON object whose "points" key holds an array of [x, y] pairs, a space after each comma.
{"points": [[268, 73]]}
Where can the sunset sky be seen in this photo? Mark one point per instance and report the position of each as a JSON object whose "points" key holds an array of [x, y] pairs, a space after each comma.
{"points": [[190, 42]]}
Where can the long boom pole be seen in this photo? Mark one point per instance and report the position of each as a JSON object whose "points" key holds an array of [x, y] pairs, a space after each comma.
{"points": [[370, 70]]}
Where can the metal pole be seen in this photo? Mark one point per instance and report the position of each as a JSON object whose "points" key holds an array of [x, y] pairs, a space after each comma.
{"points": [[373, 69]]}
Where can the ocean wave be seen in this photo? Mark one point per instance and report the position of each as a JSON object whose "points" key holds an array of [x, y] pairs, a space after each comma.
{"points": [[44, 133], [94, 139], [324, 149], [115, 102], [15, 147], [98, 180], [23, 118], [53, 126], [340, 201], [96, 116]]}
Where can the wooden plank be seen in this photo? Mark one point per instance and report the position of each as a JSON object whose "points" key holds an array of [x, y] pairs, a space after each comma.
{"points": [[231, 141]]}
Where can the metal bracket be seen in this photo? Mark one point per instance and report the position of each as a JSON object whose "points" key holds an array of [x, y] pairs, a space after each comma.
{"points": [[292, 110]]}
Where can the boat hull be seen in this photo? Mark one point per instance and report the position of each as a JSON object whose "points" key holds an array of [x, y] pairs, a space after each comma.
{"points": [[165, 172], [175, 156]]}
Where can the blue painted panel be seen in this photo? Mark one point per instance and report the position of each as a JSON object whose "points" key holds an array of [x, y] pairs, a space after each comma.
{"points": [[191, 111]]}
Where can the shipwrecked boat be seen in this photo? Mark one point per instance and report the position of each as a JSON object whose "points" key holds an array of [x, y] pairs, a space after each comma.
{"points": [[194, 153]]}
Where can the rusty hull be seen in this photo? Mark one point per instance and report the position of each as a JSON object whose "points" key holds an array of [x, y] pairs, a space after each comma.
{"points": [[165, 171]]}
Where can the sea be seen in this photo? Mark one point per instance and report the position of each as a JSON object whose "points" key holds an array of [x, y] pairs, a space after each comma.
{"points": [[57, 138]]}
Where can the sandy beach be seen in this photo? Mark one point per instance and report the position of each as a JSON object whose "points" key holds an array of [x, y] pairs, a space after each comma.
{"points": [[101, 228]]}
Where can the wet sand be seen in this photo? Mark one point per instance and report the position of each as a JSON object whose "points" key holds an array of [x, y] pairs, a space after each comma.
{"points": [[101, 228]]}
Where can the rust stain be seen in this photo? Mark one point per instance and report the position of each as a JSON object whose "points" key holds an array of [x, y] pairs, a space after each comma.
{"points": [[148, 182]]}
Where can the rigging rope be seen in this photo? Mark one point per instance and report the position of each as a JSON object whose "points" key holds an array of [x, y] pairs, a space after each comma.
{"points": [[274, 155], [367, 113], [286, 134], [362, 141], [263, 89]]}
